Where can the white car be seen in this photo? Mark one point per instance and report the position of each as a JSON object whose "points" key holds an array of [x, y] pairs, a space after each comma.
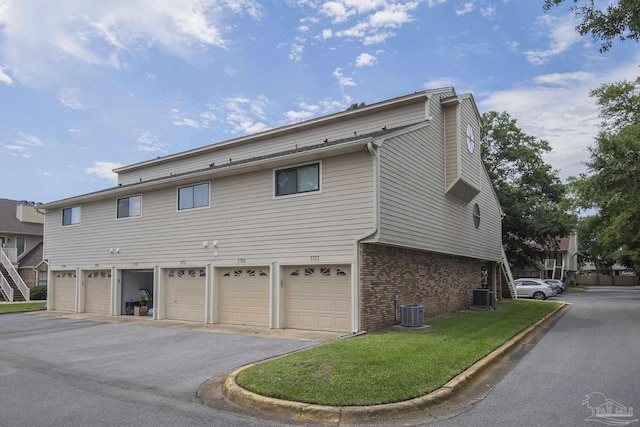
{"points": [[533, 288]]}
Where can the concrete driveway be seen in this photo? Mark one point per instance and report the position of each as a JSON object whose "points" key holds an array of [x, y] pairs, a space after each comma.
{"points": [[57, 371]]}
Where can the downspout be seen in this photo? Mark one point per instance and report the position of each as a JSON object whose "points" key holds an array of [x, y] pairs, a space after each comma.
{"points": [[376, 212]]}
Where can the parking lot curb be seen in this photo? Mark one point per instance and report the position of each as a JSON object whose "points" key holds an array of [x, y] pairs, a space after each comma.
{"points": [[362, 414]]}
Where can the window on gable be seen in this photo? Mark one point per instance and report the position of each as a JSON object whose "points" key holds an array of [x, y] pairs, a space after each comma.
{"points": [[71, 216], [129, 206], [193, 196], [301, 179]]}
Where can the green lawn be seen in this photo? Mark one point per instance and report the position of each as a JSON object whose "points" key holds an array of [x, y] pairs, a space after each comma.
{"points": [[392, 366], [6, 308], [578, 288]]}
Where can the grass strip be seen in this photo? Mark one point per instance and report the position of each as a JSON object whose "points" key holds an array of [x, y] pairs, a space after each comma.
{"points": [[579, 288], [391, 366], [9, 308]]}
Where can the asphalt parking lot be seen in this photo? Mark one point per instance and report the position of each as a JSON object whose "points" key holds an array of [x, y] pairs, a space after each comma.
{"points": [[57, 371]]}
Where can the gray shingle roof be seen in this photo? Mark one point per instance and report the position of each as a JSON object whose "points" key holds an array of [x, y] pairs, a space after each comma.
{"points": [[9, 223]]}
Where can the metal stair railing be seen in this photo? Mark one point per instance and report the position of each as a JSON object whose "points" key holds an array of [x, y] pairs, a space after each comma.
{"points": [[506, 270], [22, 287]]}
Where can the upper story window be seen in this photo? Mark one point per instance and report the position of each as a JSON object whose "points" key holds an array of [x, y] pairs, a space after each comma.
{"points": [[71, 216], [21, 244], [129, 206], [300, 179], [193, 196]]}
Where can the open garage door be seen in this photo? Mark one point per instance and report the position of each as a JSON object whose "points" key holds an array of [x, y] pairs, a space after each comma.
{"points": [[97, 292], [185, 294], [318, 298], [64, 290], [244, 296]]}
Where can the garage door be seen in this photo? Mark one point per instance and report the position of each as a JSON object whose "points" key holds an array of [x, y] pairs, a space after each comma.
{"points": [[185, 294], [244, 296], [97, 291], [318, 298], [64, 290]]}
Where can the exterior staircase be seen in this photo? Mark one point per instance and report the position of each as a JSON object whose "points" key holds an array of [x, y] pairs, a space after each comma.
{"points": [[506, 270], [17, 295]]}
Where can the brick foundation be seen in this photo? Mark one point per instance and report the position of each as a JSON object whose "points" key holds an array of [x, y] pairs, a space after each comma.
{"points": [[441, 283]]}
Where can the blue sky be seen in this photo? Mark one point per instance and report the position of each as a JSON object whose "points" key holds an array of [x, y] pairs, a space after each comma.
{"points": [[86, 86]]}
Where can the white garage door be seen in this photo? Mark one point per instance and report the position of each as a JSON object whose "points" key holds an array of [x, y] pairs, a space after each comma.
{"points": [[64, 290], [318, 298], [97, 289], [244, 296], [185, 294]]}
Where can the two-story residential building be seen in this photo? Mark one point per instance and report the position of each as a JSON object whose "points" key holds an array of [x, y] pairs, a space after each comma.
{"points": [[560, 261], [328, 224], [21, 261]]}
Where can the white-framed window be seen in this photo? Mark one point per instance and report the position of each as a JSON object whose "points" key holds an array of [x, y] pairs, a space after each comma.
{"points": [[297, 180], [21, 244], [128, 207], [193, 196], [71, 216]]}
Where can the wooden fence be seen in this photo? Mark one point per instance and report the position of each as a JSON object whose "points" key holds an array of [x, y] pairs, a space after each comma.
{"points": [[602, 280]]}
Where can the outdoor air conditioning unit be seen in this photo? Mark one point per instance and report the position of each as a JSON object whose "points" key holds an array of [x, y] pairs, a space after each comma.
{"points": [[412, 315]]}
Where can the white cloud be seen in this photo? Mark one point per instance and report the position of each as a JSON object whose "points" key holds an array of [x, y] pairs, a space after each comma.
{"points": [[72, 98], [466, 8], [104, 170], [246, 115], [433, 3], [563, 79], [29, 140], [150, 143], [562, 33], [295, 54], [104, 33], [562, 114], [73, 130], [201, 120], [393, 15], [365, 59], [47, 174], [488, 12], [343, 81], [306, 111], [336, 11], [4, 77], [17, 150], [230, 71], [327, 34], [441, 82]]}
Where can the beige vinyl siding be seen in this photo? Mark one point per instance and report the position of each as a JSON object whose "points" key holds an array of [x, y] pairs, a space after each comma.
{"points": [[244, 218], [470, 163], [416, 212], [403, 115], [452, 144]]}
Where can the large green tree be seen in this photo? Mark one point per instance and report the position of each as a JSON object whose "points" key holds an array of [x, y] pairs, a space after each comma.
{"points": [[612, 182], [529, 190], [620, 19]]}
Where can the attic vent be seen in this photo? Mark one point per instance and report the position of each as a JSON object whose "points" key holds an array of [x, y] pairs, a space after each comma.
{"points": [[412, 315]]}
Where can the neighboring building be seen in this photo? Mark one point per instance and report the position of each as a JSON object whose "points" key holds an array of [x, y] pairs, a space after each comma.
{"points": [[329, 224], [21, 233], [560, 261], [620, 275]]}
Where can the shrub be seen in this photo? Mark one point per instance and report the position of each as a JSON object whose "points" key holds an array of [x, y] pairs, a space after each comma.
{"points": [[38, 293]]}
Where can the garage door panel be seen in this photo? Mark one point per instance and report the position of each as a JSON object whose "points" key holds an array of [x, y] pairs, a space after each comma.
{"points": [[243, 296], [97, 292], [185, 294], [318, 298], [64, 290]]}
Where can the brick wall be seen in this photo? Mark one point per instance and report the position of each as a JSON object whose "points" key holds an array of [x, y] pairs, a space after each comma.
{"points": [[28, 276], [441, 283]]}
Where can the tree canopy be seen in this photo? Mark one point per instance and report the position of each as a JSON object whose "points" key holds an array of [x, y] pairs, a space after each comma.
{"points": [[529, 190], [620, 19]]}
